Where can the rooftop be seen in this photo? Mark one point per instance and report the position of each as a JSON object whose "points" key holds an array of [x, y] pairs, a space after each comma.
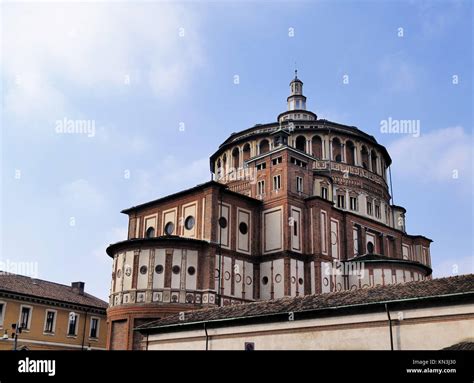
{"points": [[19, 284], [428, 290], [193, 189]]}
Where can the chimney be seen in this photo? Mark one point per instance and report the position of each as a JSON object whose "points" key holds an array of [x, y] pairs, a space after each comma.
{"points": [[78, 287]]}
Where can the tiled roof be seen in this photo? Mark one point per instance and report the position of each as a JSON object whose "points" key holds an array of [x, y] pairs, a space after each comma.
{"points": [[427, 289], [461, 346], [20, 284], [193, 189]]}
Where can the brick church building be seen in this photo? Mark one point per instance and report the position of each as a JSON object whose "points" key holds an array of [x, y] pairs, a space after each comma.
{"points": [[296, 207]]}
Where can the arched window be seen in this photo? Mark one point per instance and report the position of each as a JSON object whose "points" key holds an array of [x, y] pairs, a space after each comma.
{"points": [[350, 153], [336, 149], [317, 147], [364, 156], [219, 171], [374, 161], [264, 146], [300, 143], [224, 164], [236, 158], [370, 247], [246, 152]]}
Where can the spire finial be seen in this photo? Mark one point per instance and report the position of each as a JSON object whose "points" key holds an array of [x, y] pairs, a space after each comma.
{"points": [[296, 72]]}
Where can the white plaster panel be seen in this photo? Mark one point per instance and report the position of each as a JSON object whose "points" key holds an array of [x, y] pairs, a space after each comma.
{"points": [[176, 278], [279, 278], [273, 230], [191, 261], [265, 271], [143, 260]]}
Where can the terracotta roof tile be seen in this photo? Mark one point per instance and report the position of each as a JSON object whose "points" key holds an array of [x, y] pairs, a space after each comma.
{"points": [[49, 290], [392, 293]]}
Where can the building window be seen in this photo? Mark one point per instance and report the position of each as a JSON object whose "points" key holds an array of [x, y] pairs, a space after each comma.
{"points": [[49, 321], [191, 270], [353, 203], [189, 222], [94, 328], [370, 247], [324, 192], [2, 311], [355, 236], [223, 222], [277, 161], [72, 326], [377, 211], [299, 184], [159, 269], [243, 228], [261, 187], [176, 269], [143, 269], [265, 280], [341, 199], [276, 182], [298, 162], [150, 232], [369, 207], [25, 317], [261, 166], [295, 228], [169, 228]]}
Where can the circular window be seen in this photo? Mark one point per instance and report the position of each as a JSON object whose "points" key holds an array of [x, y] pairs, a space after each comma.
{"points": [[293, 280], [249, 280], [189, 222], [216, 273], [128, 270], [370, 247], [238, 278], [226, 275], [265, 280], [278, 278], [150, 232], [176, 269], [191, 270], [223, 222], [243, 228], [143, 269], [169, 228], [119, 273], [300, 281], [333, 238], [159, 269]]}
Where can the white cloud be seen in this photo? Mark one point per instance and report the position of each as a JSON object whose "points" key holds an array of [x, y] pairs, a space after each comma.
{"points": [[434, 156], [171, 176], [398, 74], [60, 48], [117, 234], [437, 17], [81, 195]]}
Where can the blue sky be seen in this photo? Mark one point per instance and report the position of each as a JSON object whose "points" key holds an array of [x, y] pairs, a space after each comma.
{"points": [[139, 70]]}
